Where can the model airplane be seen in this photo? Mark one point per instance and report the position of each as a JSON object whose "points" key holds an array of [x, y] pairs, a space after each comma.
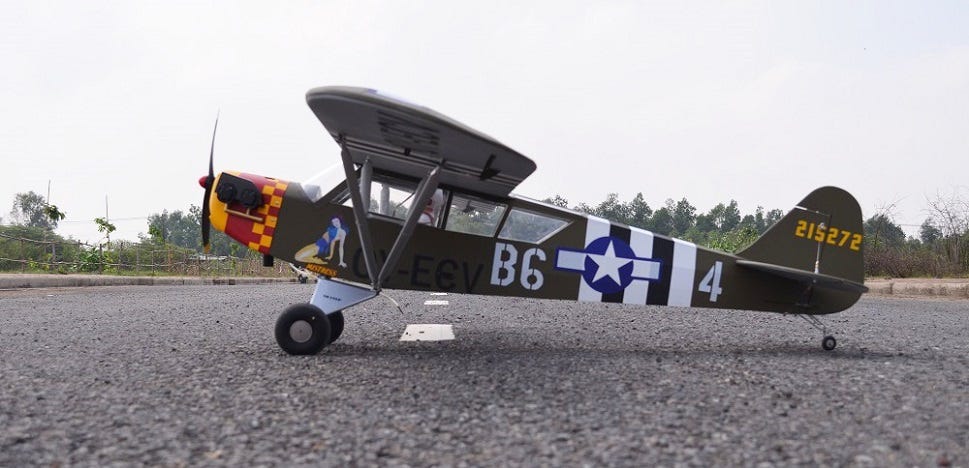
{"points": [[424, 203]]}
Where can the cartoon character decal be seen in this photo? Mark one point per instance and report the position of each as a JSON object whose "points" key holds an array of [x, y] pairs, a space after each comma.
{"points": [[321, 252]]}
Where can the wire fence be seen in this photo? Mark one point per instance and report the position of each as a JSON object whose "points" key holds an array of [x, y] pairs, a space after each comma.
{"points": [[25, 255]]}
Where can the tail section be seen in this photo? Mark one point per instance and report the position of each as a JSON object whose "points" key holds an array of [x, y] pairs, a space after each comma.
{"points": [[819, 242], [822, 234]]}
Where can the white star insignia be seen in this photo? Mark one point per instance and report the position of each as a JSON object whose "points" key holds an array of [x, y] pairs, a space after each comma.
{"points": [[609, 264]]}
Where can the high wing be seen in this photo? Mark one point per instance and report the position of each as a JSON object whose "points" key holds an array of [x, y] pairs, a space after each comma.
{"points": [[411, 140]]}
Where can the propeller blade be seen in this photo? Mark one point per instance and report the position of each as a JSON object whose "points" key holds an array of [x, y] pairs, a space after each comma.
{"points": [[209, 182]]}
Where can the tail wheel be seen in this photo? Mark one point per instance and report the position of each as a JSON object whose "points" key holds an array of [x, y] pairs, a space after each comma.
{"points": [[829, 343], [303, 329], [336, 325]]}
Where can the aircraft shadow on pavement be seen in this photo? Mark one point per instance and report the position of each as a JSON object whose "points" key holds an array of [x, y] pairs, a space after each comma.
{"points": [[521, 345]]}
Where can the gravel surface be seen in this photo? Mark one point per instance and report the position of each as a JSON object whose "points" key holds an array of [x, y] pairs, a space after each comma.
{"points": [[191, 375]]}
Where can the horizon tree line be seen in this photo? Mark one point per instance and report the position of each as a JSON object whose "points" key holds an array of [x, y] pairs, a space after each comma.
{"points": [[941, 248]]}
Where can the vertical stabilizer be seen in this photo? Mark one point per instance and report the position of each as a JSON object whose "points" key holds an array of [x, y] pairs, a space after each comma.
{"points": [[822, 234]]}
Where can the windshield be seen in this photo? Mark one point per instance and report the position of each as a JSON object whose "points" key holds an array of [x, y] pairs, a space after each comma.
{"points": [[324, 181]]}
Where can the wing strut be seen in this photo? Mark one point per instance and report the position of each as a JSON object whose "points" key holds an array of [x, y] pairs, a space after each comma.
{"points": [[360, 208], [366, 176], [423, 195], [360, 213]]}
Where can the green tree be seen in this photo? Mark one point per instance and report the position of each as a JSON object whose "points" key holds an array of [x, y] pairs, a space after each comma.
{"points": [[756, 221], [583, 208], [54, 214], [881, 231], [950, 214], [684, 215], [772, 217], [724, 218], [662, 221], [928, 233], [177, 228], [185, 230], [724, 227], [31, 209], [105, 227], [557, 200], [612, 208], [734, 240], [761, 221], [639, 211]]}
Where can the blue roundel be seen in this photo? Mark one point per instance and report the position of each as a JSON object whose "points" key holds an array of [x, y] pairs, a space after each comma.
{"points": [[599, 249]]}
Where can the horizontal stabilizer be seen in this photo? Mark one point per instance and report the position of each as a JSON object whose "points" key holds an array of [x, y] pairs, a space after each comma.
{"points": [[818, 279]]}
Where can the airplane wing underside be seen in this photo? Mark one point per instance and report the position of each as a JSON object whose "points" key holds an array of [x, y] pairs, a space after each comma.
{"points": [[411, 140]]}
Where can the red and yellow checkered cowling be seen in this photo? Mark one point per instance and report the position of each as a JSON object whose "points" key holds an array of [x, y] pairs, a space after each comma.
{"points": [[255, 228]]}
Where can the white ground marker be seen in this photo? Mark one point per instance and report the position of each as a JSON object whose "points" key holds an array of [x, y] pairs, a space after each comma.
{"points": [[435, 302], [439, 294], [428, 332]]}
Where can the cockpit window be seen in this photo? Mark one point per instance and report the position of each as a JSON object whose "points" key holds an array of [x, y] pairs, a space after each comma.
{"points": [[392, 197], [527, 226], [324, 181], [473, 215]]}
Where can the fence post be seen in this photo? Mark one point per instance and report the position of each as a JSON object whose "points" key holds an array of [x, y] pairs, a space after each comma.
{"points": [[101, 259], [23, 256]]}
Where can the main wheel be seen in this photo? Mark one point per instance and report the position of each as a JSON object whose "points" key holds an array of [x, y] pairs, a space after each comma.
{"points": [[336, 325], [828, 343], [302, 329]]}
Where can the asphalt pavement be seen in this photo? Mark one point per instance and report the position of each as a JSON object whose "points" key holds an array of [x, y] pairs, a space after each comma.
{"points": [[954, 288], [191, 375]]}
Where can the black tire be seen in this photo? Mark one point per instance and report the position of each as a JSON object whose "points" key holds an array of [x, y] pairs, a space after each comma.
{"points": [[302, 329], [302, 279], [336, 325], [829, 343]]}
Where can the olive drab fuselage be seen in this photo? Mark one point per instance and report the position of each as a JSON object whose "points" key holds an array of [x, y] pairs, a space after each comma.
{"points": [[586, 259]]}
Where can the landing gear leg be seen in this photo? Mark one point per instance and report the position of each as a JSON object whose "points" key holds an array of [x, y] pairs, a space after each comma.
{"points": [[828, 343], [308, 328]]}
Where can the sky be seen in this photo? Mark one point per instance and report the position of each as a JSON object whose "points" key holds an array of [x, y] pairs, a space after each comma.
{"points": [[759, 102]]}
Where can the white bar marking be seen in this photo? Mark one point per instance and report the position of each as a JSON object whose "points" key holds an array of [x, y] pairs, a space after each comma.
{"points": [[430, 302], [571, 260], [428, 332], [642, 243], [595, 228], [684, 270], [439, 294]]}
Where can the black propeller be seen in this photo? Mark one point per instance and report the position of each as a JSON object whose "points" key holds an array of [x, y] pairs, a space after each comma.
{"points": [[209, 182]]}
